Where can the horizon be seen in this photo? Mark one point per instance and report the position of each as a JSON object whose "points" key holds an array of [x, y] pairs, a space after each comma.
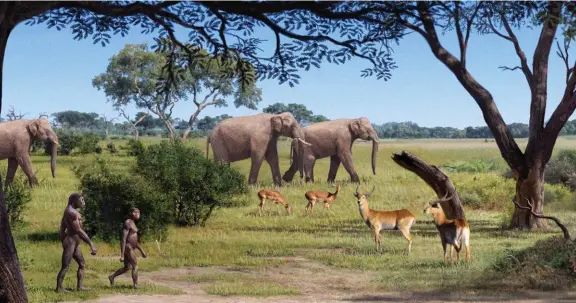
{"points": [[39, 59]]}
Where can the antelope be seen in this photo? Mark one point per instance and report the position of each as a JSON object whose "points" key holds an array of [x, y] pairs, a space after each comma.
{"points": [[379, 220], [314, 196], [274, 196], [452, 232]]}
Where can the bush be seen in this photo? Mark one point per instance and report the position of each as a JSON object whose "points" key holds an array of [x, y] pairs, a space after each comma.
{"points": [[486, 191], [111, 148], [196, 185], [17, 196], [134, 147], [89, 144], [109, 196]]}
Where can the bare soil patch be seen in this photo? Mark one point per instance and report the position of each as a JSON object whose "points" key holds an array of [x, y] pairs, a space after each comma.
{"points": [[316, 282]]}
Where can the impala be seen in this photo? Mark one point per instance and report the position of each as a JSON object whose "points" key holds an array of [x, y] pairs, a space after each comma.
{"points": [[314, 196], [379, 220], [274, 196], [452, 232]]}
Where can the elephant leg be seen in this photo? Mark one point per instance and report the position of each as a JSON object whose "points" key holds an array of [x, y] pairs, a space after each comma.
{"points": [[334, 165], [309, 163], [272, 159], [255, 167], [346, 159], [26, 165], [289, 174], [12, 167]]}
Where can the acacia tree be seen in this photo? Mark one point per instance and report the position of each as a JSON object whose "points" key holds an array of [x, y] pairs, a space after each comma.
{"points": [[133, 75], [216, 81]]}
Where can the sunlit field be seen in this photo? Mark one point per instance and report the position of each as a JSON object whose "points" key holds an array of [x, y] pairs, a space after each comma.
{"points": [[238, 238]]}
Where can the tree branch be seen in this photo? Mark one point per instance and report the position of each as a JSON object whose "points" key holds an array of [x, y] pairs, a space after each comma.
{"points": [[523, 61], [508, 147], [556, 220], [563, 54], [436, 179]]}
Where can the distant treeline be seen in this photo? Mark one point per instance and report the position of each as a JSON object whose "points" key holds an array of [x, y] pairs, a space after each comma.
{"points": [[411, 130], [150, 126]]}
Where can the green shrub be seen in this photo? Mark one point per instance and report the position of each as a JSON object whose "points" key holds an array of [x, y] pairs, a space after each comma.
{"points": [[17, 197], [110, 195], [134, 147], [487, 191], [111, 147], [67, 140], [196, 185], [89, 144]]}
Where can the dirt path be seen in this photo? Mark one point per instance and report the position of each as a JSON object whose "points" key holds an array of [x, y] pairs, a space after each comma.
{"points": [[316, 282]]}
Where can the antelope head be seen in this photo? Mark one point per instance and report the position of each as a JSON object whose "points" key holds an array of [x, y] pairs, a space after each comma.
{"points": [[362, 197], [436, 204]]}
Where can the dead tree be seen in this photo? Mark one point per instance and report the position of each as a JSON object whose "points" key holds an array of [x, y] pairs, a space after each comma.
{"points": [[436, 179]]}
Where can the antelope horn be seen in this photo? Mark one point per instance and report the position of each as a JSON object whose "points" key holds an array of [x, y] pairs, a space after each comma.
{"points": [[368, 194], [444, 198]]}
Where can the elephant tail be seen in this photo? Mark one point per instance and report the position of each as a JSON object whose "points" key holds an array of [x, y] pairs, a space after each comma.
{"points": [[207, 146]]}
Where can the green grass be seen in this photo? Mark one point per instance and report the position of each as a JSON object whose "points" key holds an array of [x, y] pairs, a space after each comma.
{"points": [[235, 284], [237, 237]]}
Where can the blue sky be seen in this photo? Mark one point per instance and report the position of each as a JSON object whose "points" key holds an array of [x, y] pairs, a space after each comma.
{"points": [[45, 70]]}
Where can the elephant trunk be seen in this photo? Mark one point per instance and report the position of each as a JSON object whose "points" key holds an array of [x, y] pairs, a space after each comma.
{"points": [[375, 143], [53, 152], [298, 135]]}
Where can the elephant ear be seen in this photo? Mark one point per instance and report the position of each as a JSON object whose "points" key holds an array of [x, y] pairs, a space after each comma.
{"points": [[34, 127], [355, 127], [276, 122]]}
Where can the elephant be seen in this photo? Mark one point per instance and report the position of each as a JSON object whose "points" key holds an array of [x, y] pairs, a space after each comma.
{"points": [[334, 139], [256, 137], [16, 137]]}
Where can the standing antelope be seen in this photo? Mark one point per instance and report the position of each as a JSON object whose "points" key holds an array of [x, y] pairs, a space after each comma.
{"points": [[274, 196], [314, 196], [378, 220], [452, 232]]}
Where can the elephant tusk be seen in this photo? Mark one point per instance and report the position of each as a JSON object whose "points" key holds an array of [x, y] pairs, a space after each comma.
{"points": [[55, 142], [304, 142]]}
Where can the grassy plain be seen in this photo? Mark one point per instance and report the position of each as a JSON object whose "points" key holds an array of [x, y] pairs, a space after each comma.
{"points": [[238, 238]]}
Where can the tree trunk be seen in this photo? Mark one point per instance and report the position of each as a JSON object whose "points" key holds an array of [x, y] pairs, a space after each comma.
{"points": [[11, 280], [529, 188], [136, 134]]}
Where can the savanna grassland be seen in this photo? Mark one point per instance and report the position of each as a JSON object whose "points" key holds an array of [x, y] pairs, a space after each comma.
{"points": [[334, 246]]}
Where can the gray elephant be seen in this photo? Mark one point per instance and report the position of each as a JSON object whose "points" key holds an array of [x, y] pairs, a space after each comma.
{"points": [[16, 137], [334, 139], [256, 137]]}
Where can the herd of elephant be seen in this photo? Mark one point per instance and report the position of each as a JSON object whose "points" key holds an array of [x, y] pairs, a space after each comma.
{"points": [[255, 137], [232, 139]]}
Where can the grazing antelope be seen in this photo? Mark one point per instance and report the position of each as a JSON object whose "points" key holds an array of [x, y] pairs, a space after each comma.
{"points": [[378, 220], [314, 196], [452, 232], [275, 197]]}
